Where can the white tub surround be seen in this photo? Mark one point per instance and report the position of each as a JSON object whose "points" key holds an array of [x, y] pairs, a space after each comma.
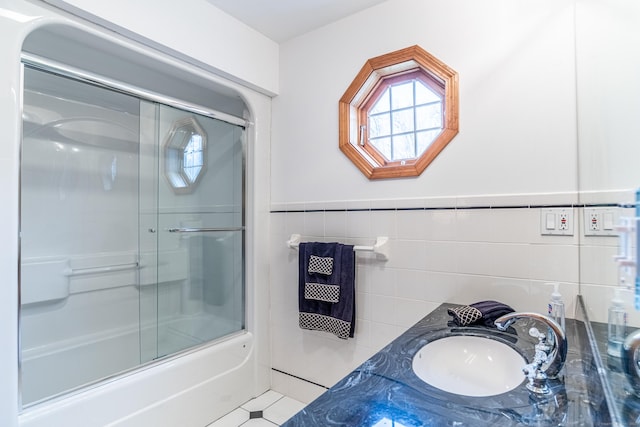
{"points": [[198, 386]]}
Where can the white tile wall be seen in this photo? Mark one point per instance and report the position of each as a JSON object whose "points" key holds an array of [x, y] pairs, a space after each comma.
{"points": [[599, 273], [304, 391], [437, 255]]}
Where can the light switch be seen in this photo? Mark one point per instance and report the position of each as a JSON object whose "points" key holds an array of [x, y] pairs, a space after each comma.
{"points": [[556, 221], [600, 221], [607, 223], [550, 221]]}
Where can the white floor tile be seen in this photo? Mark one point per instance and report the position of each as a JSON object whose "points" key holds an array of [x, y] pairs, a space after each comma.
{"points": [[261, 402], [258, 422], [283, 409], [232, 419]]}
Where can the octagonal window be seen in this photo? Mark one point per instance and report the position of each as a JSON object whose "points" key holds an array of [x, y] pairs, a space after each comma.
{"points": [[399, 113], [185, 154], [404, 119]]}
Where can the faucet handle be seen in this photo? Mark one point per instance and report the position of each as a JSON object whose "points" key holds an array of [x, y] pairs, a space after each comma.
{"points": [[543, 344], [534, 332], [558, 344], [536, 378]]}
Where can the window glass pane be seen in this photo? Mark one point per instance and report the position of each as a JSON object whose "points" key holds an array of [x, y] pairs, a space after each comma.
{"points": [[383, 145], [382, 104], [195, 143], [425, 139], [424, 94], [402, 121], [193, 160], [402, 95], [404, 147], [379, 125], [429, 116]]}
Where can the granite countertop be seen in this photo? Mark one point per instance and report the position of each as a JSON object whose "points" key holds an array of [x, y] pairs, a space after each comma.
{"points": [[627, 404], [384, 391]]}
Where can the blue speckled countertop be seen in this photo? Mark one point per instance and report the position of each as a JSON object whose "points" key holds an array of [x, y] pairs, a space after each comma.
{"points": [[625, 402], [384, 391]]}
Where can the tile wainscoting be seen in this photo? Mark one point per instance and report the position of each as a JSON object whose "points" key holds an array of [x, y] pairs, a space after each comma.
{"points": [[454, 249]]}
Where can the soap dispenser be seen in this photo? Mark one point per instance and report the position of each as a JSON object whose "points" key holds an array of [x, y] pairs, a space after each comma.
{"points": [[556, 306], [617, 325]]}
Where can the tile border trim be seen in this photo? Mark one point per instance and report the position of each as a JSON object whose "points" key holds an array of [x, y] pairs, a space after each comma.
{"points": [[479, 207]]}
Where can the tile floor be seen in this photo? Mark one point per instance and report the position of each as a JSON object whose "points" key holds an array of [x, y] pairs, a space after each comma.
{"points": [[269, 410]]}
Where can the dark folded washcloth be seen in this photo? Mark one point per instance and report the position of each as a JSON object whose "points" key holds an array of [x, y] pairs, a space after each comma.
{"points": [[479, 313], [326, 288]]}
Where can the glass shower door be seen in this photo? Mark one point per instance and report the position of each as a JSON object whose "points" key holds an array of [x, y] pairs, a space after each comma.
{"points": [[200, 230], [131, 233], [79, 195]]}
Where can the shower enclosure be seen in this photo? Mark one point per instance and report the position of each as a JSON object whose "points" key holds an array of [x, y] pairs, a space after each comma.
{"points": [[131, 232]]}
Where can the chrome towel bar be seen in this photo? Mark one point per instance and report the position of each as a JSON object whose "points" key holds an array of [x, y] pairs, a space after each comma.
{"points": [[380, 248]]}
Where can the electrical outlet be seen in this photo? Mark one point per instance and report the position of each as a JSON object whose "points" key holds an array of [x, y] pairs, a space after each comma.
{"points": [[600, 221], [564, 221], [594, 221], [556, 221]]}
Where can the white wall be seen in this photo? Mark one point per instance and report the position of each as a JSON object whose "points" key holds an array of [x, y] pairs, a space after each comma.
{"points": [[517, 99], [193, 30], [608, 94], [516, 148], [608, 109]]}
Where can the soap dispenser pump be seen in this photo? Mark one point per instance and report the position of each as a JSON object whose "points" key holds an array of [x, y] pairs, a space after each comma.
{"points": [[556, 306], [617, 325]]}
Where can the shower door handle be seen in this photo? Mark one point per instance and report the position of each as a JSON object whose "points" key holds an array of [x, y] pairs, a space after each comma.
{"points": [[204, 230]]}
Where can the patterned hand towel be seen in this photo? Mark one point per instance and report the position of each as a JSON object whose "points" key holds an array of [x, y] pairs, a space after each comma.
{"points": [[326, 288], [483, 312]]}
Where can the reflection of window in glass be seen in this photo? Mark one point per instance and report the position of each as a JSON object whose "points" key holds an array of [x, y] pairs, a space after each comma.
{"points": [[193, 157], [185, 153], [399, 113], [109, 171]]}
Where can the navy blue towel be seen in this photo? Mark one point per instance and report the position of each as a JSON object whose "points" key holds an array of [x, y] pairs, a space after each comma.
{"points": [[326, 288], [483, 312]]}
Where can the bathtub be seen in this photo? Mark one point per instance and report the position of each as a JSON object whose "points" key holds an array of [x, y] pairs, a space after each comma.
{"points": [[191, 389], [61, 366]]}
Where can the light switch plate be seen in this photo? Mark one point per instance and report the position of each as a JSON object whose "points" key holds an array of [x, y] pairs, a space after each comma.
{"points": [[556, 221], [600, 221]]}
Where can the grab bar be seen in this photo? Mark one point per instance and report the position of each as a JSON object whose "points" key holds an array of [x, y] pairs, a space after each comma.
{"points": [[204, 230], [97, 270]]}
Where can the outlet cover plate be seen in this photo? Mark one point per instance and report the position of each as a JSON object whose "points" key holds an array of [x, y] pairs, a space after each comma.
{"points": [[556, 221], [600, 221]]}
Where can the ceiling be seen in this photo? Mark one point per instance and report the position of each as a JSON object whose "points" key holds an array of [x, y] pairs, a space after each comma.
{"points": [[281, 20]]}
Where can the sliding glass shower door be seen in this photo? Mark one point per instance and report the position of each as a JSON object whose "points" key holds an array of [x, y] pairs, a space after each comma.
{"points": [[194, 230], [131, 232]]}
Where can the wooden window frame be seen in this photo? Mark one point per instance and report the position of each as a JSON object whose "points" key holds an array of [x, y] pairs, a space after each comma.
{"points": [[377, 74]]}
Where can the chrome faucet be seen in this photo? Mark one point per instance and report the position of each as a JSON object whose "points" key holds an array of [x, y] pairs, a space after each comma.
{"points": [[631, 360], [558, 354], [533, 371]]}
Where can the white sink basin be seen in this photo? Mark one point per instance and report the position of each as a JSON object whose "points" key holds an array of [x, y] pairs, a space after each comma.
{"points": [[469, 365]]}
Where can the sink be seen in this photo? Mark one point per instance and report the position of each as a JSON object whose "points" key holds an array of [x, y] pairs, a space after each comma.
{"points": [[469, 365]]}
